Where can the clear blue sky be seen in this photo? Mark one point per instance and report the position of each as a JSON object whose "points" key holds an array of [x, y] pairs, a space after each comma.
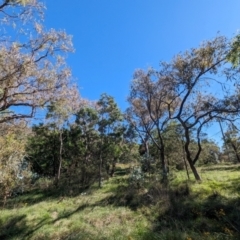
{"points": [[112, 38]]}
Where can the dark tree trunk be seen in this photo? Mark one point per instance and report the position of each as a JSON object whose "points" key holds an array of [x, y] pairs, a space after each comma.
{"points": [[194, 170], [83, 174], [164, 165], [188, 156], [60, 156], [100, 172], [185, 163], [113, 167], [235, 151], [184, 160]]}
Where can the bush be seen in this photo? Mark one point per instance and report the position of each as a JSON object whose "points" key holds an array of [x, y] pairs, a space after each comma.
{"points": [[136, 177], [14, 171]]}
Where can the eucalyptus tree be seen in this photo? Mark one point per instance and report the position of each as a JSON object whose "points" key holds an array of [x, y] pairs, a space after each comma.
{"points": [[152, 103], [195, 76], [32, 61], [197, 88]]}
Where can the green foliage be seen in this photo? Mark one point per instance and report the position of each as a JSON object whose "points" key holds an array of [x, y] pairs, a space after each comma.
{"points": [[91, 145], [234, 54], [14, 172], [231, 146], [42, 150]]}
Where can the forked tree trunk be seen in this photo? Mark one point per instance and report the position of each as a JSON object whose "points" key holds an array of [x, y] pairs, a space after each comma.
{"points": [[188, 156]]}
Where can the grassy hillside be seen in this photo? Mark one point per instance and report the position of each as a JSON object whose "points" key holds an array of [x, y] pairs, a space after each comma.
{"points": [[180, 210]]}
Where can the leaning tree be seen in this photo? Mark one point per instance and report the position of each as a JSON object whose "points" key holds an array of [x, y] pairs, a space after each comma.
{"points": [[200, 87]]}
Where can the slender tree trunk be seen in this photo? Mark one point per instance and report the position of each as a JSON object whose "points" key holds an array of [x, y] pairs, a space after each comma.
{"points": [[164, 165], [100, 166], [184, 160], [100, 172], [83, 174], [235, 150], [220, 124], [60, 156], [84, 164], [6, 195], [146, 148], [113, 167], [55, 158], [185, 163], [147, 154]]}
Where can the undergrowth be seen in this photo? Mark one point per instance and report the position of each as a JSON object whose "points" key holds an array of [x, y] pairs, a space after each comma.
{"points": [[179, 209]]}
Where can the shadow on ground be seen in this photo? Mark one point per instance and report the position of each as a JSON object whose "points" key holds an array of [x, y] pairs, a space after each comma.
{"points": [[49, 193], [220, 167], [176, 212], [65, 188], [16, 228]]}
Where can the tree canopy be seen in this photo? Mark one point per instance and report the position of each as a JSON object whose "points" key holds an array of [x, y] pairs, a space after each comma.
{"points": [[33, 68]]}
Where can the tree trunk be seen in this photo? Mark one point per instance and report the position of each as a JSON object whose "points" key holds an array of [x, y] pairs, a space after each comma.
{"points": [[55, 157], [164, 165], [194, 170], [113, 167], [188, 156], [83, 175], [184, 160], [235, 150], [224, 139], [185, 163], [60, 156], [100, 173]]}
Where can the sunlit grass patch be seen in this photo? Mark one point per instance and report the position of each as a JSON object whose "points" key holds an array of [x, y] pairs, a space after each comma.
{"points": [[181, 209]]}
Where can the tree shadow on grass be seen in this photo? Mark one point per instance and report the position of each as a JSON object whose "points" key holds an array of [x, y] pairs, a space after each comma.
{"points": [[232, 167], [51, 193], [235, 186], [180, 213], [70, 213], [45, 190], [17, 227], [215, 217], [122, 171], [14, 226]]}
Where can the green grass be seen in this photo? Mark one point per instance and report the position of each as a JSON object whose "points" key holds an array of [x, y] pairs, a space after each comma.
{"points": [[181, 209]]}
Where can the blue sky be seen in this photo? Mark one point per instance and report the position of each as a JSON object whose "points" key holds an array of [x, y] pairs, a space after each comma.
{"points": [[112, 38]]}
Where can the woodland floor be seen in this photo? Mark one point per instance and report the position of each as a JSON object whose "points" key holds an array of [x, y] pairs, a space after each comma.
{"points": [[181, 209]]}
